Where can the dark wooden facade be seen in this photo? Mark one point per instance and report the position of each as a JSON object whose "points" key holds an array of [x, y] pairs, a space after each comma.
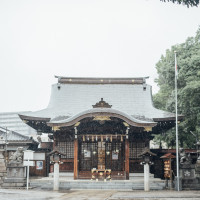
{"points": [[101, 145]]}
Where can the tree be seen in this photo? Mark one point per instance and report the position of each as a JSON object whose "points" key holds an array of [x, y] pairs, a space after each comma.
{"points": [[188, 3], [188, 57]]}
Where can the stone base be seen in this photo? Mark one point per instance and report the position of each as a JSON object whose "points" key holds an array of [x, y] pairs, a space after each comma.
{"points": [[14, 182], [16, 171], [191, 184], [16, 176], [188, 177]]}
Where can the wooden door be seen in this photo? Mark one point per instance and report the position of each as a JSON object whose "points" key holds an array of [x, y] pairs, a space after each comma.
{"points": [[115, 155], [88, 156]]}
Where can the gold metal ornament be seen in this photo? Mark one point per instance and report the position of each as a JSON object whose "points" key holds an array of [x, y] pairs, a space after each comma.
{"points": [[102, 118]]}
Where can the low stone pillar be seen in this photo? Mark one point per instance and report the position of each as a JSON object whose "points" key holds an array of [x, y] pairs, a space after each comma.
{"points": [[56, 176], [146, 177]]}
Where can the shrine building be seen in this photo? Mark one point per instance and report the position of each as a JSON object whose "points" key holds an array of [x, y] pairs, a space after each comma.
{"points": [[100, 123]]}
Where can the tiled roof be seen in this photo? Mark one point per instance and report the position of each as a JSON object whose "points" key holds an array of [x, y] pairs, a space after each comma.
{"points": [[13, 136], [68, 99]]}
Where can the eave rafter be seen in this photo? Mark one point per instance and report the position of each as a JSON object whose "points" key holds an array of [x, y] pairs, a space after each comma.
{"points": [[38, 123]]}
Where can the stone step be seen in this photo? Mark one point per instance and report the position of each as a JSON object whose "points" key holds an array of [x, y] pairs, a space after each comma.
{"points": [[128, 185], [132, 176], [122, 182], [140, 175], [136, 187], [63, 174], [136, 182], [8, 185], [14, 180]]}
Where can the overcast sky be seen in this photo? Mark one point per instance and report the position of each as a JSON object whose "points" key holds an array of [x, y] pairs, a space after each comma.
{"points": [[83, 38]]}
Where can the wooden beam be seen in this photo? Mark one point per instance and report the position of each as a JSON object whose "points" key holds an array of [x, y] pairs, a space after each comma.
{"points": [[127, 159], [75, 159]]}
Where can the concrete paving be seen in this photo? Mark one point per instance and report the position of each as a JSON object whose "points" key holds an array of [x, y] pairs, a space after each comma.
{"points": [[33, 194]]}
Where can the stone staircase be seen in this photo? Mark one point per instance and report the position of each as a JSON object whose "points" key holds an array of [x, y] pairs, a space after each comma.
{"points": [[136, 182], [63, 175]]}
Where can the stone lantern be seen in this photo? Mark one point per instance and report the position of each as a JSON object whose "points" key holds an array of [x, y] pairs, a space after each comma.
{"points": [[55, 158], [147, 160]]}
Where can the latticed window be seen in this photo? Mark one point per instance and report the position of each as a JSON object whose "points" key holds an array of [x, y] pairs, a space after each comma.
{"points": [[135, 149], [66, 148]]}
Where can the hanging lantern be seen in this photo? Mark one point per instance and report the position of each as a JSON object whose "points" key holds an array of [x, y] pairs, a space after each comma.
{"points": [[121, 138], [83, 138], [101, 138], [111, 138], [92, 138]]}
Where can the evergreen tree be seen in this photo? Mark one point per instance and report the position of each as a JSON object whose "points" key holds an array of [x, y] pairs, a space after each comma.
{"points": [[188, 3], [188, 59]]}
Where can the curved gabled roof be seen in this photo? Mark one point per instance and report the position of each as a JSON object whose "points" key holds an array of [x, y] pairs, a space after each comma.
{"points": [[72, 96], [95, 112]]}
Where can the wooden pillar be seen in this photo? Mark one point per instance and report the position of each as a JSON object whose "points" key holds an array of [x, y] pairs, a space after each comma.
{"points": [[75, 158], [127, 158]]}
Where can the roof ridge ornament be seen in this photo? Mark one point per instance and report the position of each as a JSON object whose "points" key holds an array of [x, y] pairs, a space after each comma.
{"points": [[102, 104]]}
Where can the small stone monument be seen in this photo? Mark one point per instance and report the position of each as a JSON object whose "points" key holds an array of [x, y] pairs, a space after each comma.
{"points": [[16, 171], [187, 171]]}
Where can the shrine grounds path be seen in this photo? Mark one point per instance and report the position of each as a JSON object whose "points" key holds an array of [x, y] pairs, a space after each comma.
{"points": [[22, 194]]}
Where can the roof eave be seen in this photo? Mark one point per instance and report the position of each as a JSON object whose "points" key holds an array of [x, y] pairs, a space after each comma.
{"points": [[24, 117], [180, 117], [88, 114]]}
